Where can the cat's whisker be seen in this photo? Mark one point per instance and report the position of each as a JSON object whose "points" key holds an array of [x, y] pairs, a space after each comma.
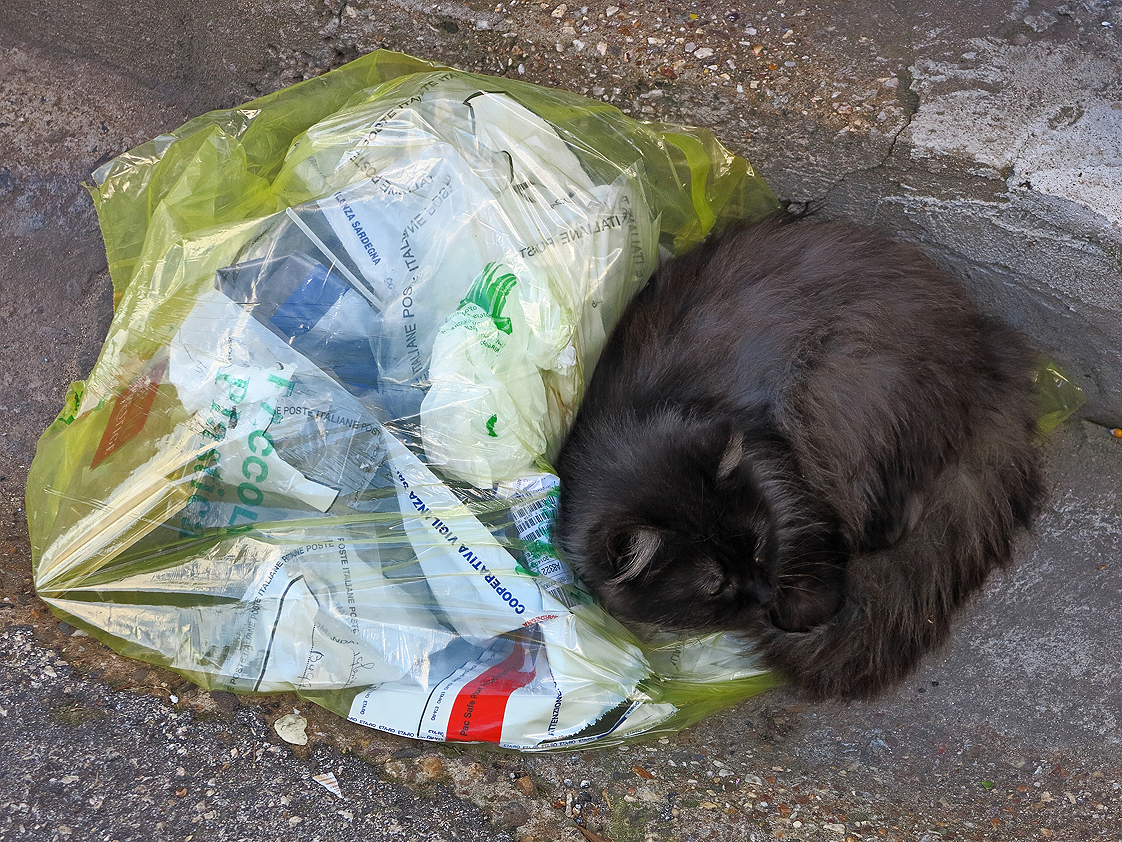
{"points": [[781, 583], [800, 590]]}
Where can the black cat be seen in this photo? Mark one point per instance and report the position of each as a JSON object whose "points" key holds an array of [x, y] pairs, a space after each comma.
{"points": [[802, 432]]}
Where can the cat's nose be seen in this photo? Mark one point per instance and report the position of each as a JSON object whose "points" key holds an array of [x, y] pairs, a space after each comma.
{"points": [[765, 593]]}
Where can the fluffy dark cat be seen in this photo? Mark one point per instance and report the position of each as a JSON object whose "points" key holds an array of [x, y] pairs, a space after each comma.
{"points": [[803, 432]]}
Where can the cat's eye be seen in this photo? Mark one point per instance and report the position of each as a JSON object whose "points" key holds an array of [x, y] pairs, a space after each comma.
{"points": [[711, 579], [716, 586]]}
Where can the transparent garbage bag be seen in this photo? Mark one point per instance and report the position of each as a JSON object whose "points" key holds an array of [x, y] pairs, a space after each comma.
{"points": [[352, 321]]}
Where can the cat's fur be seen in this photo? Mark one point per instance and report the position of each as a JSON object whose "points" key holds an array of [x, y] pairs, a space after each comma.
{"points": [[807, 434]]}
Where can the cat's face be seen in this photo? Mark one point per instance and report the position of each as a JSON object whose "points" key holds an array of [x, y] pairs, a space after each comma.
{"points": [[669, 527], [681, 578]]}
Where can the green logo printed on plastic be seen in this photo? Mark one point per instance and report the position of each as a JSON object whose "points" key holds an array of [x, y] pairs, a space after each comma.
{"points": [[489, 293]]}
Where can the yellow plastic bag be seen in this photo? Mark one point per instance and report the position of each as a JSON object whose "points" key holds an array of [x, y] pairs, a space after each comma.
{"points": [[353, 319]]}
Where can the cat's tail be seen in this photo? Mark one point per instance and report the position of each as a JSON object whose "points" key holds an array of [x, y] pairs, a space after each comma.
{"points": [[900, 602]]}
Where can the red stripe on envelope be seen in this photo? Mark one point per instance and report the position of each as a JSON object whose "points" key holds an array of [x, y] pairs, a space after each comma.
{"points": [[477, 714]]}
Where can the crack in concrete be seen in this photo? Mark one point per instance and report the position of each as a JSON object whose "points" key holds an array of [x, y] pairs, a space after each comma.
{"points": [[896, 136], [879, 165], [911, 102]]}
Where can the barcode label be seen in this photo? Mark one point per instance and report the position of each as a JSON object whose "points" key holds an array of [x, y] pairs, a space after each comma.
{"points": [[534, 521], [534, 518]]}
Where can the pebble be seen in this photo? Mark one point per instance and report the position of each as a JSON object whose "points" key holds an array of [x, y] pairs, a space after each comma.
{"points": [[513, 815], [431, 766], [704, 52], [525, 785]]}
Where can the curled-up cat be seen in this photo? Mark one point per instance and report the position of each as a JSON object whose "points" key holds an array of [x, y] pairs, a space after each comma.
{"points": [[804, 433]]}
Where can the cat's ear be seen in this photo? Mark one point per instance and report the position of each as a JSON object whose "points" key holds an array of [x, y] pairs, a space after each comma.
{"points": [[734, 453], [639, 548]]}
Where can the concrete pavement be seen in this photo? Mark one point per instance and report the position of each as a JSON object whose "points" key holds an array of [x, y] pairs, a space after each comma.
{"points": [[987, 133]]}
